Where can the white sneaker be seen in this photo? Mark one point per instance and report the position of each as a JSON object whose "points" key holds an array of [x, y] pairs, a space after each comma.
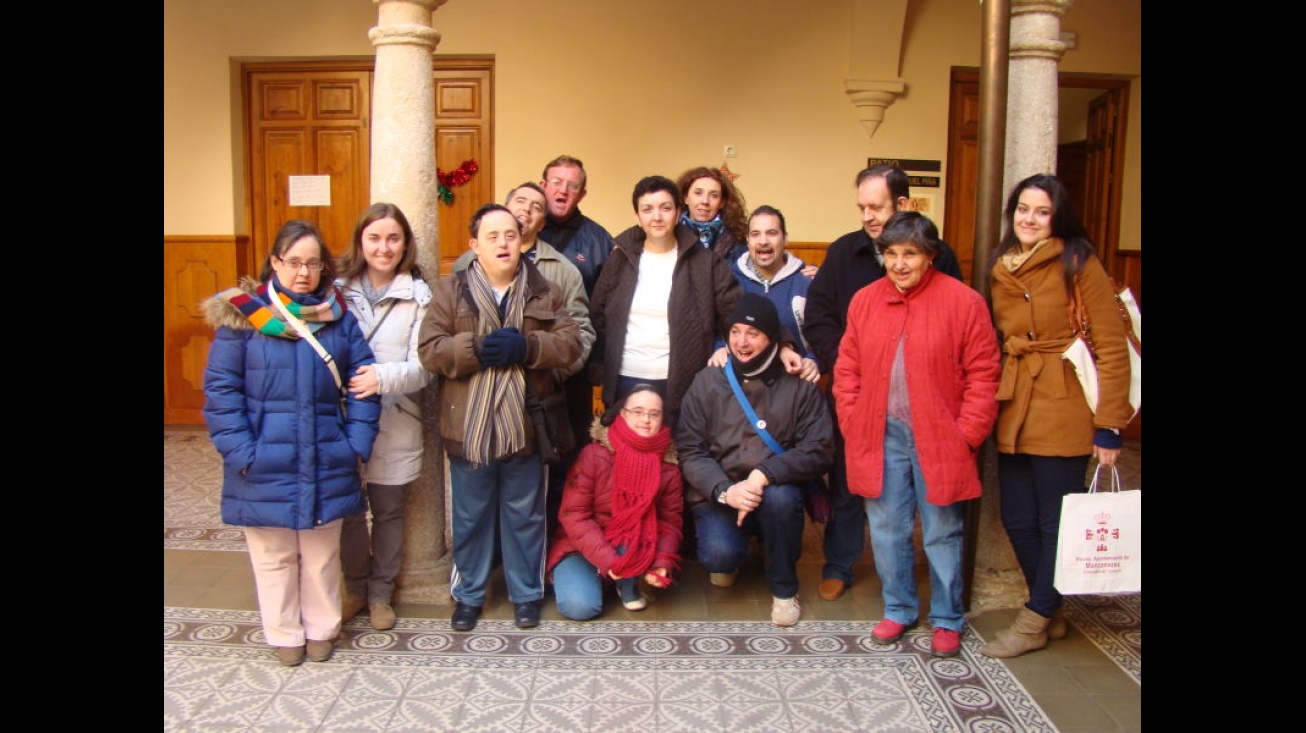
{"points": [[724, 580], [785, 611]]}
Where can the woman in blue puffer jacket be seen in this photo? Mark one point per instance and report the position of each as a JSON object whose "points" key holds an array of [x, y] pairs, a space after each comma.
{"points": [[290, 440]]}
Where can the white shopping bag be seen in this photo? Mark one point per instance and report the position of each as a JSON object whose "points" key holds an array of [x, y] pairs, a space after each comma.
{"points": [[1100, 545]]}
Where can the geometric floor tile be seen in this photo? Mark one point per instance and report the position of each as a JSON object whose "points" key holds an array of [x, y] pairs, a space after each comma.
{"points": [[598, 676], [1113, 623]]}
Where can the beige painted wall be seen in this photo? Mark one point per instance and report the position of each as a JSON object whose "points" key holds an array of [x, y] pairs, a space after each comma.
{"points": [[632, 89]]}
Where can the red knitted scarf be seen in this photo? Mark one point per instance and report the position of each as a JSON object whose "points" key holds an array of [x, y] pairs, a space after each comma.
{"points": [[635, 484]]}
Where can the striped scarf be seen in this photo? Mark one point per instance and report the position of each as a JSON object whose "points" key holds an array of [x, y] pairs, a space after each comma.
{"points": [[496, 397], [316, 309], [636, 480]]}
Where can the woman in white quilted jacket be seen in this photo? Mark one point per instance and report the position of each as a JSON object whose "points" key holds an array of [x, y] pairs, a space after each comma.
{"points": [[385, 291]]}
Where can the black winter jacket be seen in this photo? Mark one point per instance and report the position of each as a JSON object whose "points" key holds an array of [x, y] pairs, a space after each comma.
{"points": [[703, 292]]}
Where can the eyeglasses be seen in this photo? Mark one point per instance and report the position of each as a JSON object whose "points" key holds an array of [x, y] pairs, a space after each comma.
{"points": [[639, 413], [567, 186], [295, 263]]}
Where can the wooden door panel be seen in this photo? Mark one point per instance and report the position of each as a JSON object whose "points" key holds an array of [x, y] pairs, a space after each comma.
{"points": [[194, 268], [452, 147], [284, 153], [1099, 182], [340, 156], [963, 174], [458, 98], [282, 99], [463, 131], [340, 100]]}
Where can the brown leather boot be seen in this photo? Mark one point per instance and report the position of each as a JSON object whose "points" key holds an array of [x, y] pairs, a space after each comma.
{"points": [[1058, 627], [1028, 632]]}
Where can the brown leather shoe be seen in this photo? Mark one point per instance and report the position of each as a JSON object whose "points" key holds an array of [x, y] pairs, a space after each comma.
{"points": [[831, 589]]}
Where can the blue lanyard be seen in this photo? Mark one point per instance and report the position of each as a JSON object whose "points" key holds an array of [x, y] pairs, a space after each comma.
{"points": [[756, 424]]}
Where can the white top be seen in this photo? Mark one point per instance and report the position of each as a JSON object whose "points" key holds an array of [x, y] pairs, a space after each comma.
{"points": [[647, 352]]}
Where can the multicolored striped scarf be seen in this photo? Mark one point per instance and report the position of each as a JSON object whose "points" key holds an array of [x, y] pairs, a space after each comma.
{"points": [[707, 231], [315, 309], [496, 396], [636, 480]]}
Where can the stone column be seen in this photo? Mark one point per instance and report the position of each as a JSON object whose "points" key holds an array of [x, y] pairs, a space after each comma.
{"points": [[1036, 49], [1031, 147], [404, 173]]}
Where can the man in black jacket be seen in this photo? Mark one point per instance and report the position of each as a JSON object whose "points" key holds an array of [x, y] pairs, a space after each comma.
{"points": [[851, 263]]}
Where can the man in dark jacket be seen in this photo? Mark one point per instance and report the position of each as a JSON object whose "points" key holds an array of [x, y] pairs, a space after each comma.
{"points": [[736, 485], [851, 263], [581, 239]]}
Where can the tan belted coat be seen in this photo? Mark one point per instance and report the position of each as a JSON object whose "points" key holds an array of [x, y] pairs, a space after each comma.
{"points": [[1041, 407]]}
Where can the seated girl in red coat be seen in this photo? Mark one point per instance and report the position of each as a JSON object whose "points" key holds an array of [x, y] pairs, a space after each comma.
{"points": [[621, 511]]}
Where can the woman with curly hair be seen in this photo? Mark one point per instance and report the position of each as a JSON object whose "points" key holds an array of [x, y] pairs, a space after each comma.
{"points": [[715, 210]]}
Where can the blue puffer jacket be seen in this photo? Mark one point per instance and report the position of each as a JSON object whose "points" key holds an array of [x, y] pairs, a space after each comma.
{"points": [[289, 458]]}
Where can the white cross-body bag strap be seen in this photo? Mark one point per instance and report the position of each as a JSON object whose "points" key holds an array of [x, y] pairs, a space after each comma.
{"points": [[307, 335]]}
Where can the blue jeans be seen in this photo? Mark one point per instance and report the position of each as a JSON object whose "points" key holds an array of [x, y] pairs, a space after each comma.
{"points": [[779, 520], [511, 491], [845, 533], [892, 518], [1031, 488], [578, 587]]}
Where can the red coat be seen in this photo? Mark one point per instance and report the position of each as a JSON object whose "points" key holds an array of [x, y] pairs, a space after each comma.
{"points": [[587, 508], [953, 368]]}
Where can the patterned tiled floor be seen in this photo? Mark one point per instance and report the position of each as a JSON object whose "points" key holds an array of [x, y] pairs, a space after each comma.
{"points": [[1115, 625], [734, 672], [568, 677]]}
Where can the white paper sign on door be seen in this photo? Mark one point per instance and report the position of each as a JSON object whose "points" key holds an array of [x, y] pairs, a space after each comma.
{"points": [[310, 190]]}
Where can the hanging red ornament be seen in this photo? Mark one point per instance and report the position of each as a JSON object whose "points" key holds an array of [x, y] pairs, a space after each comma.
{"points": [[455, 178]]}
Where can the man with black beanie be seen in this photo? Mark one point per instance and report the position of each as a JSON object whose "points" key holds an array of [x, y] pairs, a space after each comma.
{"points": [[736, 484]]}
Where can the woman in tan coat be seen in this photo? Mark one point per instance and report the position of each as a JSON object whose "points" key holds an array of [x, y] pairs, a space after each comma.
{"points": [[1046, 430]]}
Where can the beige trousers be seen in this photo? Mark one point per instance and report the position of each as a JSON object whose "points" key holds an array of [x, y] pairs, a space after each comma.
{"points": [[297, 575]]}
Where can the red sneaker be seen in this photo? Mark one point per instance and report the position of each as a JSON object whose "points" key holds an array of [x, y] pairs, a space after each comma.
{"points": [[946, 643], [889, 631]]}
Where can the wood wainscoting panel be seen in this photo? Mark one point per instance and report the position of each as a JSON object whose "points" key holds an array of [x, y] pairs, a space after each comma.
{"points": [[811, 253], [194, 268]]}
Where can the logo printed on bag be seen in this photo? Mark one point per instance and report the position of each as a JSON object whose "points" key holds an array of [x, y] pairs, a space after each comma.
{"points": [[1104, 537]]}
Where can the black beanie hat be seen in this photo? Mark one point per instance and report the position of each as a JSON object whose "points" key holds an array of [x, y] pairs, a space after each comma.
{"points": [[759, 312]]}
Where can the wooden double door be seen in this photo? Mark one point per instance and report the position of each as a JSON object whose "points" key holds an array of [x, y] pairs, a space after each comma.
{"points": [[313, 119]]}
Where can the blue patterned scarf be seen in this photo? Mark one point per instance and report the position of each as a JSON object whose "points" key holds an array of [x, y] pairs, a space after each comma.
{"points": [[707, 231]]}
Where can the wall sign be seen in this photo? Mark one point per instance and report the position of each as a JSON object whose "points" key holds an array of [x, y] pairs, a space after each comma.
{"points": [[909, 164]]}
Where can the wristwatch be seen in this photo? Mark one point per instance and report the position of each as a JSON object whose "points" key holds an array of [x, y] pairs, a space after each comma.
{"points": [[721, 497]]}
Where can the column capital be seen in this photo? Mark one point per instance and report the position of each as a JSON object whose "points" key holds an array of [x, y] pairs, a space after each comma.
{"points": [[1052, 7], [1036, 29], [404, 33], [430, 5]]}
